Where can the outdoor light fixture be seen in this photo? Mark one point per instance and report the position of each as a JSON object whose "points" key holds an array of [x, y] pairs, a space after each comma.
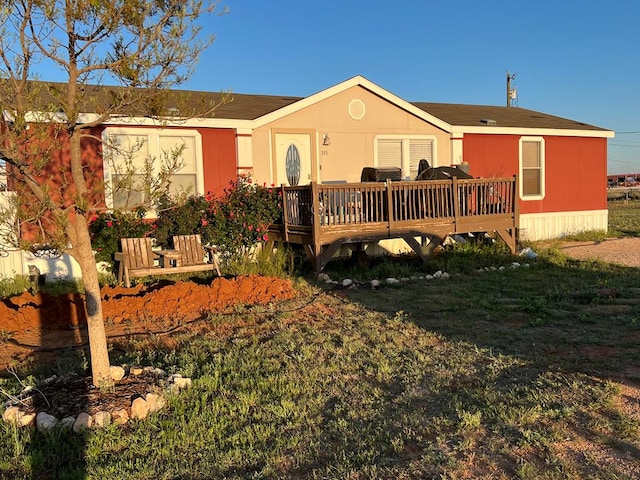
{"points": [[325, 139]]}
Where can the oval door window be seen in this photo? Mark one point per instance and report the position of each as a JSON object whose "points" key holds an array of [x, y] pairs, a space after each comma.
{"points": [[292, 165]]}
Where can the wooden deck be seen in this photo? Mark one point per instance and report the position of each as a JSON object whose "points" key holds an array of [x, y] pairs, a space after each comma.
{"points": [[324, 217]]}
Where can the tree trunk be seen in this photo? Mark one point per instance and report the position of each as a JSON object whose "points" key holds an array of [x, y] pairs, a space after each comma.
{"points": [[77, 230], [83, 253]]}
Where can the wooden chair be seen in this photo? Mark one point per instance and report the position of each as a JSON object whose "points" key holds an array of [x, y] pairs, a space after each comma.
{"points": [[136, 259], [193, 252]]}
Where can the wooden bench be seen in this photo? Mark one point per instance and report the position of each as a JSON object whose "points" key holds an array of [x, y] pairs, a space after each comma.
{"points": [[138, 259], [193, 253]]}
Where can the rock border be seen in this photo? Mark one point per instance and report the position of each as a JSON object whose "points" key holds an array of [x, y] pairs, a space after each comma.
{"points": [[141, 406]]}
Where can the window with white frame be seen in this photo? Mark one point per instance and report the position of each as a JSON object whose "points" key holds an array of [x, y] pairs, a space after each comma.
{"points": [[404, 152], [532, 168], [135, 160]]}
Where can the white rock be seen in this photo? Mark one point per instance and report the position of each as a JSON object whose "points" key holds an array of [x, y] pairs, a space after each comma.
{"points": [[101, 419], [515, 265], [136, 371], [117, 372], [528, 253], [67, 422], [392, 280], [180, 383], [492, 268], [375, 283], [120, 416], [155, 401], [429, 277], [404, 279], [45, 422], [438, 274], [84, 421], [11, 415], [444, 276], [420, 277], [158, 372], [502, 267], [347, 282], [526, 265], [26, 419], [139, 409], [323, 277]]}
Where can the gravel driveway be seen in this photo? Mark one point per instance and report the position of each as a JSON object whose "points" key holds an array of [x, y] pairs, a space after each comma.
{"points": [[623, 251]]}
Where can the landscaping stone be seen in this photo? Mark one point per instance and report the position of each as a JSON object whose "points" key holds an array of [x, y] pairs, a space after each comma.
{"points": [[136, 371], [45, 422], [101, 419], [347, 282], [120, 416], [155, 401], [139, 409], [392, 281], [179, 383], [11, 414], [67, 422], [84, 421], [375, 283], [117, 373]]}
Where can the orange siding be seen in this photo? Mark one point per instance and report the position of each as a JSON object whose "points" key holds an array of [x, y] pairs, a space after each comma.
{"points": [[219, 158], [575, 169]]}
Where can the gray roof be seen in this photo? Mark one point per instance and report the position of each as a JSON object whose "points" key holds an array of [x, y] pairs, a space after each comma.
{"points": [[250, 107], [479, 115]]}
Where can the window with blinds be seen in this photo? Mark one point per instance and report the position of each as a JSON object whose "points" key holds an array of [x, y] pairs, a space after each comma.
{"points": [[405, 153], [532, 168], [134, 157]]}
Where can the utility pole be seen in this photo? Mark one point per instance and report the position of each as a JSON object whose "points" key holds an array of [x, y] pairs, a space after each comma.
{"points": [[510, 93]]}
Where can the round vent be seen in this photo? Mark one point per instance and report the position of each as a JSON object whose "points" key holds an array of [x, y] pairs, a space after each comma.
{"points": [[356, 109]]}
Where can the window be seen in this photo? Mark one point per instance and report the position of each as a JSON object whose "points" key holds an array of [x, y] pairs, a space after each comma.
{"points": [[135, 158], [532, 168], [404, 152]]}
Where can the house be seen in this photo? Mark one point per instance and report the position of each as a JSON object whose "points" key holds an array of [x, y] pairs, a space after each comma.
{"points": [[330, 136]]}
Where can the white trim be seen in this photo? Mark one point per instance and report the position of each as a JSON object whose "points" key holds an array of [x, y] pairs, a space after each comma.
{"points": [[153, 135], [544, 226], [558, 132], [541, 141]]}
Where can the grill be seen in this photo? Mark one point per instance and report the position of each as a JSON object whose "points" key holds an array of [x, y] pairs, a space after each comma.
{"points": [[370, 174]]}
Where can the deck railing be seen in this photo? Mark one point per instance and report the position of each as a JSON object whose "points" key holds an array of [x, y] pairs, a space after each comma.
{"points": [[396, 202]]}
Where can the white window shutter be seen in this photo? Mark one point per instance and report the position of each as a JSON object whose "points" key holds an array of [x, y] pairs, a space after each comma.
{"points": [[419, 149], [390, 153]]}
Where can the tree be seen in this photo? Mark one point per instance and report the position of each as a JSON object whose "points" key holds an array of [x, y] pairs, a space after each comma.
{"points": [[142, 49]]}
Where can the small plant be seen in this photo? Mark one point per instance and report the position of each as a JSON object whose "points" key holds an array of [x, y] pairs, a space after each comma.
{"points": [[14, 286]]}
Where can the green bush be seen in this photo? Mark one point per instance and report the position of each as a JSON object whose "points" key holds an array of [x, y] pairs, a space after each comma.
{"points": [[108, 228], [193, 216], [235, 222], [243, 214]]}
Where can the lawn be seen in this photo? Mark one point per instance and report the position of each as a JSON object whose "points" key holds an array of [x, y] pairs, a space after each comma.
{"points": [[523, 373]]}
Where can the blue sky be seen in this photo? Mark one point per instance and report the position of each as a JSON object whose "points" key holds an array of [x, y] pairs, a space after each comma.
{"points": [[577, 59]]}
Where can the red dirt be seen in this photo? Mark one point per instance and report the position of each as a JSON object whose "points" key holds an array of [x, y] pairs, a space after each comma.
{"points": [[34, 323]]}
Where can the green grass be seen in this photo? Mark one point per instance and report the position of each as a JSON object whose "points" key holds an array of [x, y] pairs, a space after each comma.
{"points": [[624, 218], [502, 374]]}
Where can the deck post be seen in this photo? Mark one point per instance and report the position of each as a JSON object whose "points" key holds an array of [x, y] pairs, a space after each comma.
{"points": [[390, 219], [456, 203], [316, 248], [285, 212]]}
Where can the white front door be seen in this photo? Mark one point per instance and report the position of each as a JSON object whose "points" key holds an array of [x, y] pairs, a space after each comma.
{"points": [[294, 158]]}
